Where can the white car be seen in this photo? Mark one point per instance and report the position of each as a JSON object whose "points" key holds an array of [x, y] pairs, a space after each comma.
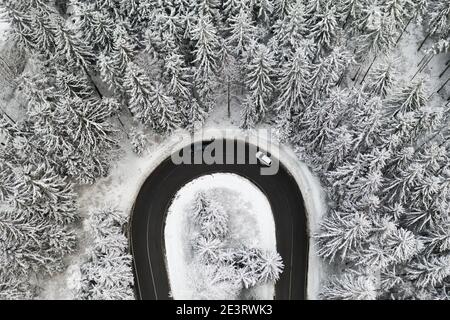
{"points": [[263, 158]]}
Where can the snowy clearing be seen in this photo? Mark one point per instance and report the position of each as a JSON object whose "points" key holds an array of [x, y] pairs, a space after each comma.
{"points": [[251, 223]]}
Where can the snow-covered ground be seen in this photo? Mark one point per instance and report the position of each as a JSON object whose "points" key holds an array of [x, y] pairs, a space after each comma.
{"points": [[251, 223], [4, 26]]}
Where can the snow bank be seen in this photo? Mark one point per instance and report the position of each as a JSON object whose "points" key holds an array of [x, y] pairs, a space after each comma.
{"points": [[251, 223]]}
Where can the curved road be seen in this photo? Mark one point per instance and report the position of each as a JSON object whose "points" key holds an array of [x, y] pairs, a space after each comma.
{"points": [[149, 215]]}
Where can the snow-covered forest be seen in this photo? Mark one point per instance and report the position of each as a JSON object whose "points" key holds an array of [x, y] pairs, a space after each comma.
{"points": [[359, 88], [221, 271]]}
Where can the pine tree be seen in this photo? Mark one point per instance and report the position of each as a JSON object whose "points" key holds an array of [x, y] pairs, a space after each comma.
{"points": [[411, 97], [40, 190], [398, 10], [96, 27], [271, 266], [107, 274], [259, 80], [241, 32], [177, 76], [429, 272], [327, 71], [324, 32], [294, 78], [206, 64], [381, 79], [13, 288], [139, 88], [139, 141], [166, 117], [31, 244], [264, 9], [350, 287], [207, 249], [439, 22], [350, 10], [291, 30], [378, 38], [249, 115]]}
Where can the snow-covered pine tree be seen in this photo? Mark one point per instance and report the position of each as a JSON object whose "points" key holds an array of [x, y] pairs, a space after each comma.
{"points": [[350, 10], [95, 26], [193, 112], [248, 113], [31, 244], [176, 75], [241, 31], [41, 191], [293, 84], [400, 11], [377, 37], [214, 224], [408, 98], [270, 266], [71, 49], [327, 71], [138, 140], [107, 274], [7, 180], [381, 78], [207, 249], [291, 30], [14, 288], [206, 65], [325, 29], [166, 117], [199, 206], [439, 21], [260, 73], [139, 88], [73, 85], [350, 286], [281, 9], [123, 49], [264, 10], [317, 123]]}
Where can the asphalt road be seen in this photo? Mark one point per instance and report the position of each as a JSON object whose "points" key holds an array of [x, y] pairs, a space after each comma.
{"points": [[151, 206]]}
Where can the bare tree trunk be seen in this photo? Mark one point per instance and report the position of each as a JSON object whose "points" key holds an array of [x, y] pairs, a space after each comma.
{"points": [[8, 116], [423, 66], [92, 82], [424, 40], [229, 99], [356, 74], [403, 31], [442, 87], [367, 72], [440, 76], [422, 60]]}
